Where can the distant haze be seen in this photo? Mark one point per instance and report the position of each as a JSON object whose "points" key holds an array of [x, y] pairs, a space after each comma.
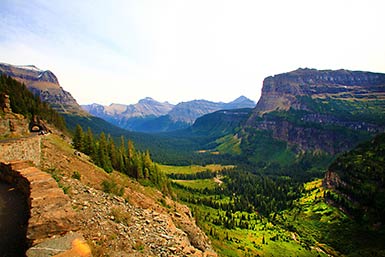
{"points": [[121, 51]]}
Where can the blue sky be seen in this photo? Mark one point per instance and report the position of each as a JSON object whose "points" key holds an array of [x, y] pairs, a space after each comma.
{"points": [[178, 50]]}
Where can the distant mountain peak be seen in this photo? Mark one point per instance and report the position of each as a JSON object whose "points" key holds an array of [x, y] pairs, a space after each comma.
{"points": [[162, 115], [147, 100]]}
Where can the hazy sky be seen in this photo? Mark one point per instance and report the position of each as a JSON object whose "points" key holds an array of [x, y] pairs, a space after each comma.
{"points": [[178, 50]]}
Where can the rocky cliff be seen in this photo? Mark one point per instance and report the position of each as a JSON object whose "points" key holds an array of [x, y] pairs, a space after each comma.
{"points": [[321, 110], [280, 92], [44, 84]]}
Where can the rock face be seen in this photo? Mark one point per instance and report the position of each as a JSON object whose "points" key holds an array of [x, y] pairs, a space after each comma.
{"points": [[149, 115], [44, 84], [280, 92], [321, 110]]}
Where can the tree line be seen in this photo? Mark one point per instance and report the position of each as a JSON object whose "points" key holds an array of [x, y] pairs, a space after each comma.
{"points": [[245, 190], [123, 158]]}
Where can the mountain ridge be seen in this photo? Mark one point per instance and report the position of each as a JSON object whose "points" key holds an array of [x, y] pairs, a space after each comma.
{"points": [[149, 115], [44, 84]]}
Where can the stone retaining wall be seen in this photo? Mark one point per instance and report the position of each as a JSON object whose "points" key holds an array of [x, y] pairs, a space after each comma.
{"points": [[21, 149], [51, 213]]}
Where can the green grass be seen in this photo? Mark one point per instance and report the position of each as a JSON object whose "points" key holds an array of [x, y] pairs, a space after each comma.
{"points": [[167, 169], [229, 144], [198, 183]]}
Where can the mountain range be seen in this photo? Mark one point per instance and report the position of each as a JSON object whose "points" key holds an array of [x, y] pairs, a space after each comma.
{"points": [[149, 115]]}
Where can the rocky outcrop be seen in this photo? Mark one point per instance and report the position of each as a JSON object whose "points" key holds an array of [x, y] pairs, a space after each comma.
{"points": [[44, 84], [11, 124], [321, 110], [280, 92]]}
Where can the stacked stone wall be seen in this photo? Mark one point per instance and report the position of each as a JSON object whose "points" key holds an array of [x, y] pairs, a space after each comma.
{"points": [[21, 149]]}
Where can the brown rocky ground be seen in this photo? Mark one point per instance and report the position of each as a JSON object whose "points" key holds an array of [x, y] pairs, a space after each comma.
{"points": [[142, 222]]}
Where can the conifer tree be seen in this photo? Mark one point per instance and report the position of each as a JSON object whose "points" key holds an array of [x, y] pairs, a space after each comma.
{"points": [[78, 138], [89, 144], [103, 158], [113, 154]]}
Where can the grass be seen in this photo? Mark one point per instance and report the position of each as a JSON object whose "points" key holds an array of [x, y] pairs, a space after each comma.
{"points": [[229, 144], [198, 183], [192, 169]]}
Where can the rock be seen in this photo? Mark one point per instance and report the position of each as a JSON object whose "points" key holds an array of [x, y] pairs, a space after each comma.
{"points": [[71, 245], [166, 236]]}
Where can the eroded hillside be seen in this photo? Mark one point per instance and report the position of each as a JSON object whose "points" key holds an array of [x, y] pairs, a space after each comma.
{"points": [[140, 222]]}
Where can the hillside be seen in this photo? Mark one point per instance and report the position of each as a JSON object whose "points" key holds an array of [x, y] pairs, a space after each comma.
{"points": [[140, 222], [356, 180]]}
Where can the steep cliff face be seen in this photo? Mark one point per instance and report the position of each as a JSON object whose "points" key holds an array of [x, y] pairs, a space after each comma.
{"points": [[44, 84], [321, 110], [280, 92]]}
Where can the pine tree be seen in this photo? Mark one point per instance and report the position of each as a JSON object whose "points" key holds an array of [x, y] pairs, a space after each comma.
{"points": [[130, 149], [113, 153], [89, 143], [103, 158], [77, 141]]}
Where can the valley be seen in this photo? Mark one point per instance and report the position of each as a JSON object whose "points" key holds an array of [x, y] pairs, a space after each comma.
{"points": [[299, 174]]}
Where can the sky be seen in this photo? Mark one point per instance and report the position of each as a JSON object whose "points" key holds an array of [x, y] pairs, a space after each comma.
{"points": [[120, 51]]}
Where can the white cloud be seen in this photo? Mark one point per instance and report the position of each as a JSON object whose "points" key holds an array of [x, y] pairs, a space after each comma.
{"points": [[178, 50]]}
